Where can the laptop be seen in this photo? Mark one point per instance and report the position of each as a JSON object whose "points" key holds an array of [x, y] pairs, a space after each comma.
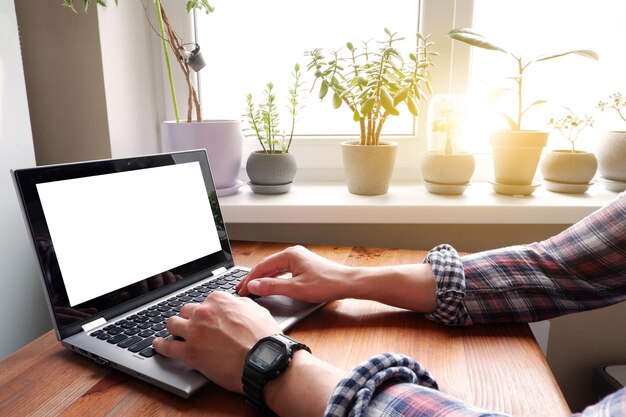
{"points": [[122, 244]]}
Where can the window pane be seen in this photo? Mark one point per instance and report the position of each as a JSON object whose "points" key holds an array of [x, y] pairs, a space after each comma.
{"points": [[248, 43], [537, 27]]}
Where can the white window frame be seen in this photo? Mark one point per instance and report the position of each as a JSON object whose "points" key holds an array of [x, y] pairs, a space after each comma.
{"points": [[319, 157]]}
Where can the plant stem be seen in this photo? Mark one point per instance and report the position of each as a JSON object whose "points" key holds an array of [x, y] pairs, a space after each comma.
{"points": [[519, 94], [167, 59]]}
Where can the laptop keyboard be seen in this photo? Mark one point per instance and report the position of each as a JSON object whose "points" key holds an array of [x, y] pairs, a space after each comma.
{"points": [[136, 332]]}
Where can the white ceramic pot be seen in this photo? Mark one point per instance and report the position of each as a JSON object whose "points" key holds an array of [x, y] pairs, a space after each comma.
{"points": [[453, 169], [368, 168], [611, 154], [567, 167], [516, 155], [222, 140]]}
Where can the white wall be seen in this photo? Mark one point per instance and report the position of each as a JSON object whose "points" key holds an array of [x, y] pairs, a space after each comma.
{"points": [[129, 84], [24, 315]]}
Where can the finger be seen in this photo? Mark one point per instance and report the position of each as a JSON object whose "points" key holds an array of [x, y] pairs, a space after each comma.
{"points": [[273, 265], [177, 326], [169, 347], [187, 310], [271, 286]]}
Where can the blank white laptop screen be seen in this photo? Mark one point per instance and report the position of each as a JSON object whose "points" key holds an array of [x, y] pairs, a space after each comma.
{"points": [[113, 230]]}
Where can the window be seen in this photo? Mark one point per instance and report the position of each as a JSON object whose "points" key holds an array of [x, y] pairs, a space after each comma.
{"points": [[249, 43], [536, 27]]}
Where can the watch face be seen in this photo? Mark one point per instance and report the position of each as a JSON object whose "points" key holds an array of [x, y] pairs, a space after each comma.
{"points": [[266, 355]]}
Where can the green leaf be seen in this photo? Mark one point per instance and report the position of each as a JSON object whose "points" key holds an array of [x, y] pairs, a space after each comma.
{"points": [[411, 103], [367, 106], [582, 52], [477, 40], [356, 116], [533, 104], [336, 100], [323, 89], [401, 95], [387, 102], [510, 121]]}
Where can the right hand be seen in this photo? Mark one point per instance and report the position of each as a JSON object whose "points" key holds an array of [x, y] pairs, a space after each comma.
{"points": [[315, 279]]}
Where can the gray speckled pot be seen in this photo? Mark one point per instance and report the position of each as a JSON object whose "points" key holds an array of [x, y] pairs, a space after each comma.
{"points": [[271, 168]]}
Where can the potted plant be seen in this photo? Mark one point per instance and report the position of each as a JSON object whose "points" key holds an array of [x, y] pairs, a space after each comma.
{"points": [[221, 138], [611, 148], [272, 169], [516, 152], [569, 170], [446, 167], [372, 83]]}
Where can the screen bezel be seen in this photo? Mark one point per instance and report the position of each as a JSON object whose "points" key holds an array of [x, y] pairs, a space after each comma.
{"points": [[26, 181]]}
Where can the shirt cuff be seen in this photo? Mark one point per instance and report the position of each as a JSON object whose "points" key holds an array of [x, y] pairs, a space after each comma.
{"points": [[354, 393], [450, 287]]}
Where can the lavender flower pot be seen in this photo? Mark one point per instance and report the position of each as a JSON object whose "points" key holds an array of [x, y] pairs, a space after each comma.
{"points": [[222, 140]]}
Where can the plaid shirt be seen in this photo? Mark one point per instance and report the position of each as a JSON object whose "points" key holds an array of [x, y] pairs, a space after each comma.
{"points": [[580, 269]]}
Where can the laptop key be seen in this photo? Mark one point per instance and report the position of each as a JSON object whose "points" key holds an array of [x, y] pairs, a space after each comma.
{"points": [[132, 331], [129, 342], [137, 347], [117, 339], [115, 330], [148, 352], [96, 333], [146, 333], [103, 336]]}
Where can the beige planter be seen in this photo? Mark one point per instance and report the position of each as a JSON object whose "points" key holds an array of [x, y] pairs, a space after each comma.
{"points": [[368, 168], [611, 154], [568, 167], [516, 155], [453, 169]]}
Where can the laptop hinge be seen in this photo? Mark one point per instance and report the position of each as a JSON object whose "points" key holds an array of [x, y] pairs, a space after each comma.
{"points": [[93, 324], [218, 271]]}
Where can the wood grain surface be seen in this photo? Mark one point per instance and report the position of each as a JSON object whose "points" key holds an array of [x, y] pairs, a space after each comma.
{"points": [[497, 367]]}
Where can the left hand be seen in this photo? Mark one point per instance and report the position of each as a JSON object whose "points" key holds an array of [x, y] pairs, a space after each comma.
{"points": [[217, 336]]}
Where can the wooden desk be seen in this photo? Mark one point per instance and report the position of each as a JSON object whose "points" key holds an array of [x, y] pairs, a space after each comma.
{"points": [[498, 367]]}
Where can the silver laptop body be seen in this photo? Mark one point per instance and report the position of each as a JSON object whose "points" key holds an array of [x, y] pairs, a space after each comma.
{"points": [[130, 238]]}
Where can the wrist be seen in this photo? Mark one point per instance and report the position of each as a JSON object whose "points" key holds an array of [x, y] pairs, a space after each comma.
{"points": [[304, 388], [409, 286]]}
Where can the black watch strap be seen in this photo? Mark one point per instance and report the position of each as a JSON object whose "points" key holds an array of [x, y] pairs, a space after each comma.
{"points": [[254, 381]]}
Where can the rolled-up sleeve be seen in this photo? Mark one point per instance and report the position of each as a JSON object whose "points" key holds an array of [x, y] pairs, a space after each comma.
{"points": [[581, 268]]}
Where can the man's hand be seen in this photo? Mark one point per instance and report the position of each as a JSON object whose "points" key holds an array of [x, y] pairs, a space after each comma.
{"points": [[314, 278], [217, 336]]}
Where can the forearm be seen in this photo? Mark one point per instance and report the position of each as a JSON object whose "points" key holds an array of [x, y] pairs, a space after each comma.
{"points": [[582, 268], [304, 388], [405, 286]]}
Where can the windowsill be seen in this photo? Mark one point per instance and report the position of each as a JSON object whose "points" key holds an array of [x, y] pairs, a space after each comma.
{"points": [[331, 203]]}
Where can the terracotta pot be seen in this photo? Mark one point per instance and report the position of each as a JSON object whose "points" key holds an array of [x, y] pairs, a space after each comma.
{"points": [[455, 169], [271, 168], [565, 166], [222, 140], [516, 155], [611, 154], [368, 168]]}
